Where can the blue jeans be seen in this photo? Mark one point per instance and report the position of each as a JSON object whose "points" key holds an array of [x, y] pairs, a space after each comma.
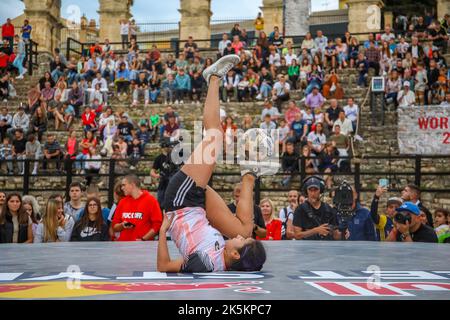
{"points": [[78, 164], [362, 79], [56, 74], [154, 95], [18, 63], [71, 77], [314, 83], [265, 90]]}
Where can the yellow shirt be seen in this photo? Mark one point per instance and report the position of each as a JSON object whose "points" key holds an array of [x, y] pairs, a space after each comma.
{"points": [[259, 24]]}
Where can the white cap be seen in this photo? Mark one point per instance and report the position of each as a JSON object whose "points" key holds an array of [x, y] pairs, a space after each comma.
{"points": [[406, 83]]}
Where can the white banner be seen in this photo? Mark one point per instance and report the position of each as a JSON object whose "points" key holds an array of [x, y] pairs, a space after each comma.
{"points": [[424, 130]]}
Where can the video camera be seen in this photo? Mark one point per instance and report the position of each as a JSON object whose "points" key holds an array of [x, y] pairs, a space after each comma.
{"points": [[402, 217], [343, 203]]}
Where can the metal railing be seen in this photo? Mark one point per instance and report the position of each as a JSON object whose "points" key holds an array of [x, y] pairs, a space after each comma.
{"points": [[358, 173]]}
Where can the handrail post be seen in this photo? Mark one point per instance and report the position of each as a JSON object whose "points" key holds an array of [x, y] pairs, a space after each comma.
{"points": [[68, 48], [26, 176], [68, 167], [418, 170], [258, 190], [29, 50], [302, 169], [111, 178], [357, 177]]}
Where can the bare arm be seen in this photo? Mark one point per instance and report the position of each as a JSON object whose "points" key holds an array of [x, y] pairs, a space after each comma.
{"points": [[164, 264]]}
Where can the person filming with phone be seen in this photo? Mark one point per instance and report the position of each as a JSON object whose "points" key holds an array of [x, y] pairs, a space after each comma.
{"points": [[408, 226], [138, 216]]}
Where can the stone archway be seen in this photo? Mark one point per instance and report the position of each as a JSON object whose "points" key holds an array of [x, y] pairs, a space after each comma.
{"points": [[195, 19]]}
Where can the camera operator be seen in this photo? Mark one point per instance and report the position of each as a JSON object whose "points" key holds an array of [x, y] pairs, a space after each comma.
{"points": [[163, 169], [384, 223], [314, 219], [360, 224], [408, 226]]}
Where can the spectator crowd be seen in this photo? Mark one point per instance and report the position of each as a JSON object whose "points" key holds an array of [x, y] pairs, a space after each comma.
{"points": [[302, 93]]}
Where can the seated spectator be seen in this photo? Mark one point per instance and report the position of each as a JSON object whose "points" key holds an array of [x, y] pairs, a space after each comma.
{"points": [[155, 87], [169, 88], [315, 79], [57, 68], [61, 94], [393, 86], [6, 153], [99, 89], [341, 143], [362, 65], [406, 97], [135, 152], [247, 122], [353, 51], [317, 139], [373, 57], [280, 92], [273, 226], [92, 165], [308, 42], [125, 128], [55, 225], [52, 151], [331, 86], [229, 134], [141, 87], [344, 123], [69, 114], [283, 131], [421, 81], [20, 121], [76, 98], [182, 85], [266, 83], [330, 54], [88, 119], [18, 151], [332, 114], [89, 141], [39, 122], [71, 147], [298, 130], [230, 85], [91, 226], [328, 163], [122, 80], [171, 129], [196, 87], [33, 151], [268, 124], [289, 162], [15, 224], [351, 112], [294, 73], [154, 123], [5, 122], [269, 109]]}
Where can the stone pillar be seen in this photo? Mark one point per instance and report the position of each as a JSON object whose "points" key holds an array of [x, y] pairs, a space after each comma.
{"points": [[443, 7], [195, 21], [273, 15], [45, 18], [111, 12], [83, 29], [389, 18], [364, 16], [297, 17]]}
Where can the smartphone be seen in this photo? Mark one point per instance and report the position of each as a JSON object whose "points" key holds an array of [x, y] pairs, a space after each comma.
{"points": [[383, 183], [129, 224]]}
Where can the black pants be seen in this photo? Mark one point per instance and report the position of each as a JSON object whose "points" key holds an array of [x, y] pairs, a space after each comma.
{"points": [[181, 93], [58, 163], [90, 174], [376, 66]]}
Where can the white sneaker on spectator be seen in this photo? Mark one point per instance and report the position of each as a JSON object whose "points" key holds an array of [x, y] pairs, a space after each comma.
{"points": [[5, 100], [166, 103], [221, 67], [24, 72], [228, 100], [146, 103], [181, 102], [198, 101], [132, 167], [259, 97], [19, 77], [34, 173], [358, 138], [177, 102], [303, 100]]}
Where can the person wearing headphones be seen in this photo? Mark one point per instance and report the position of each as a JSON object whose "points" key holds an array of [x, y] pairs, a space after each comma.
{"points": [[314, 219]]}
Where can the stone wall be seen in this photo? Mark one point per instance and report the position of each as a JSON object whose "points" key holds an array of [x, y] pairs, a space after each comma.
{"points": [[297, 17]]}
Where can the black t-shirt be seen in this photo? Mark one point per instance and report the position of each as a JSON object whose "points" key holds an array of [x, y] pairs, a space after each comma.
{"points": [[125, 128], [147, 65], [420, 28], [161, 164], [333, 114], [142, 83], [307, 218], [20, 145], [257, 215], [425, 233], [435, 33]]}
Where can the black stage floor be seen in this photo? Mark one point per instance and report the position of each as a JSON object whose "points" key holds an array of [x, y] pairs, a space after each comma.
{"points": [[294, 270]]}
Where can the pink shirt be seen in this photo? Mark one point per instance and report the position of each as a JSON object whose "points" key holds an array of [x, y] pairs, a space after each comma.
{"points": [[290, 114]]}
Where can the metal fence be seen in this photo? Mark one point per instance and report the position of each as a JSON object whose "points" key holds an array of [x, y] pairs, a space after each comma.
{"points": [[398, 169]]}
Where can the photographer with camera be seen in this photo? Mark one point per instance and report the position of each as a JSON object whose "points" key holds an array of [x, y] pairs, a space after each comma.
{"points": [[408, 226], [164, 168], [314, 219]]}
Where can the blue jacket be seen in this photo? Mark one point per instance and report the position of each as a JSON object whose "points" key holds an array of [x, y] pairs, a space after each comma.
{"points": [[361, 225], [183, 82], [123, 74]]}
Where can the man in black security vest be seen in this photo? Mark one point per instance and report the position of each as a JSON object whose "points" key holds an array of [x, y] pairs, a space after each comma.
{"points": [[314, 219]]}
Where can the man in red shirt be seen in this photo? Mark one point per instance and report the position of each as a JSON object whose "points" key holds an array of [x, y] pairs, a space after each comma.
{"points": [[8, 33], [138, 216], [88, 119]]}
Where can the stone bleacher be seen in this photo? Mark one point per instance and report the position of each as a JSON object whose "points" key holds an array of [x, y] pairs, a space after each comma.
{"points": [[375, 142]]}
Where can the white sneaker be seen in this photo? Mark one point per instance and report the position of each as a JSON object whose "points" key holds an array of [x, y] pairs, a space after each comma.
{"points": [[177, 102], [181, 102], [259, 97], [198, 102], [358, 138], [19, 77], [24, 71], [132, 167], [166, 103], [221, 67], [228, 100], [34, 173]]}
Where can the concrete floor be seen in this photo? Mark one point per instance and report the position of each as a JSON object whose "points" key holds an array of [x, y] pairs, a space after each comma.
{"points": [[294, 270]]}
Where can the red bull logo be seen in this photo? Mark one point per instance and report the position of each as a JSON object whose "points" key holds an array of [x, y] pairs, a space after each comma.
{"points": [[60, 289]]}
